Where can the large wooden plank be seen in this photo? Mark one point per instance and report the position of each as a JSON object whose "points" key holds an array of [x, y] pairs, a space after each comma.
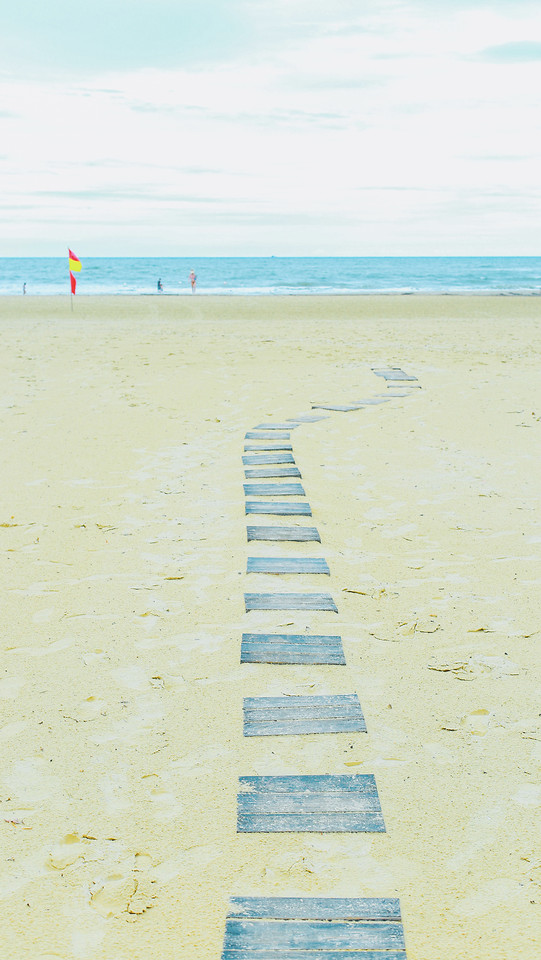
{"points": [[287, 565], [274, 490], [252, 459], [301, 728], [276, 804], [341, 407], [268, 445], [316, 908], [289, 601], [281, 953], [345, 701], [284, 953], [311, 783], [296, 534], [370, 821], [314, 935], [290, 648], [291, 655], [277, 471], [267, 435], [278, 509]]}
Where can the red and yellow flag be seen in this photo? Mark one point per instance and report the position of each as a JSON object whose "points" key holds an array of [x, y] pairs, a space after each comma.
{"points": [[74, 267]]}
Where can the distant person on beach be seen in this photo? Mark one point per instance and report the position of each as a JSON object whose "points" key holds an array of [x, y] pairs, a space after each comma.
{"points": [[193, 280], [160, 286], [24, 289]]}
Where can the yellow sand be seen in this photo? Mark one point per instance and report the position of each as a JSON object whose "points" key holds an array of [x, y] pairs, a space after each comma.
{"points": [[124, 555]]}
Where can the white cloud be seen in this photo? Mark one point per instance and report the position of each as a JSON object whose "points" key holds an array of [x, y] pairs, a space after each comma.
{"points": [[397, 135]]}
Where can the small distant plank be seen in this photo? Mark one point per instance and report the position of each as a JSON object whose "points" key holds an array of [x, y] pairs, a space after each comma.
{"points": [[252, 474], [267, 445], [307, 418], [292, 648], [342, 407], [274, 490], [267, 435], [394, 373], [287, 565], [289, 601], [275, 426], [316, 908], [293, 716], [373, 401], [253, 459], [348, 803], [279, 509], [297, 534]]}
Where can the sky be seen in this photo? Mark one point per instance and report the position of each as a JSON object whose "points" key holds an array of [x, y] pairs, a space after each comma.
{"points": [[270, 127]]}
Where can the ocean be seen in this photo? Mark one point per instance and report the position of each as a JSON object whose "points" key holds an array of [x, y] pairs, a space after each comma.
{"points": [[274, 275]]}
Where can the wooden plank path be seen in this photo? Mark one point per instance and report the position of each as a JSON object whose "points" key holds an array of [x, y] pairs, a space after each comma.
{"points": [[313, 928], [287, 565], [274, 490], [279, 716], [277, 471], [292, 648], [296, 534], [346, 803], [278, 509], [253, 459], [289, 601]]}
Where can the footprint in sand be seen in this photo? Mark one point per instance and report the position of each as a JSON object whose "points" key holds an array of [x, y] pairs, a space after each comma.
{"points": [[131, 893], [477, 722], [66, 852]]}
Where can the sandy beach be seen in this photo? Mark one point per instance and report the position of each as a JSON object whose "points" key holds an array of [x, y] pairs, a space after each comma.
{"points": [[124, 556]]}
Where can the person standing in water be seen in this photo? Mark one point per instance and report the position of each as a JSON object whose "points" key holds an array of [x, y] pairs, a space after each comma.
{"points": [[160, 286], [193, 280]]}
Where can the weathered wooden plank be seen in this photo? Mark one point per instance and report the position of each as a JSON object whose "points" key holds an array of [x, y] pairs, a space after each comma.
{"points": [[278, 471], [281, 953], [275, 426], [290, 655], [314, 934], [362, 822], [300, 728], [316, 908], [289, 601], [344, 700], [276, 804], [279, 509], [287, 565], [341, 407], [374, 401], [297, 534], [285, 708], [252, 459], [268, 435], [274, 490], [311, 783], [267, 445], [294, 638]]}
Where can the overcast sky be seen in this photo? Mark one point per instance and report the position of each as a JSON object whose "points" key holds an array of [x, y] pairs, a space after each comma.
{"points": [[258, 127]]}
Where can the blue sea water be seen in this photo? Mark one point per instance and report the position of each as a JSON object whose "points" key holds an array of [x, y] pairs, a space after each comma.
{"points": [[275, 275]]}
